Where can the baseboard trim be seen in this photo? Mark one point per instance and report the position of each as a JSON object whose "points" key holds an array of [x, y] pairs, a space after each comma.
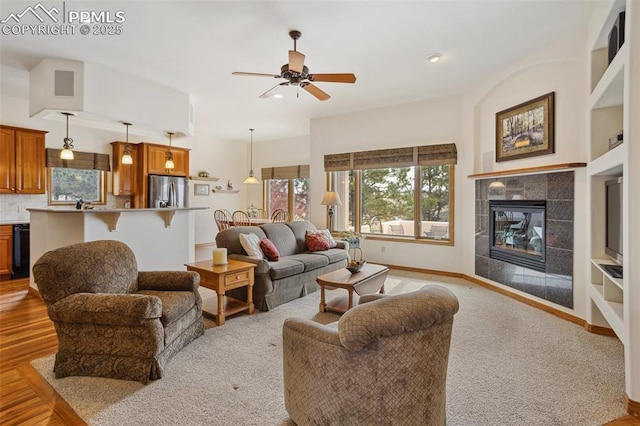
{"points": [[633, 407], [423, 271], [34, 292], [598, 329], [557, 312], [205, 245]]}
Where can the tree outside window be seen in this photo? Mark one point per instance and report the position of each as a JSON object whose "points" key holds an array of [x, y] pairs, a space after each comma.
{"points": [[67, 186]]}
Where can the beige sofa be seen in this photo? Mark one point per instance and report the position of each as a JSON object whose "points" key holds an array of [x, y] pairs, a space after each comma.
{"points": [[384, 364], [291, 277]]}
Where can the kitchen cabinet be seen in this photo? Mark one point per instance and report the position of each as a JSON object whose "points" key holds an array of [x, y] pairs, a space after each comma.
{"points": [[22, 161], [124, 176], [157, 156], [6, 250]]}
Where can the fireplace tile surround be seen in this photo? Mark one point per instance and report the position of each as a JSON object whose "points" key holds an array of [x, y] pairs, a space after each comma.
{"points": [[556, 283]]}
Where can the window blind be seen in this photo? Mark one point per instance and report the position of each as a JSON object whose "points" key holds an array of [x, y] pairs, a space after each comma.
{"points": [[287, 172], [427, 155], [81, 160]]}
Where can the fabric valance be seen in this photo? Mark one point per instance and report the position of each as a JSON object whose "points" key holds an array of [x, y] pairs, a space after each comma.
{"points": [[427, 155], [287, 172], [81, 160]]}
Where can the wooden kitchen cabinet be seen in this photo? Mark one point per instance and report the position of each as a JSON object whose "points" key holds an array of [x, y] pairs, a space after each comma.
{"points": [[22, 161], [6, 250], [157, 156], [124, 176]]}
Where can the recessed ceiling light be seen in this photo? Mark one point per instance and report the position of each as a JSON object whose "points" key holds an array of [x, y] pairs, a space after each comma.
{"points": [[434, 57], [278, 96]]}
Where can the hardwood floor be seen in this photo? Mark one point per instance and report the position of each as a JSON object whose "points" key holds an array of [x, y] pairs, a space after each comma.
{"points": [[26, 333]]}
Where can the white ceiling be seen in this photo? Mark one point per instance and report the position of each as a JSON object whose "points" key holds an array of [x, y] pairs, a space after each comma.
{"points": [[194, 46]]}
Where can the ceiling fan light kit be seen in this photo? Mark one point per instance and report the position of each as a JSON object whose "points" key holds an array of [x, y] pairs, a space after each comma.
{"points": [[297, 74]]}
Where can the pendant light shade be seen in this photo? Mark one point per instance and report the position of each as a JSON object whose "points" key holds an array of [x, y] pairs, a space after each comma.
{"points": [[126, 155], [67, 148], [168, 164], [251, 179]]}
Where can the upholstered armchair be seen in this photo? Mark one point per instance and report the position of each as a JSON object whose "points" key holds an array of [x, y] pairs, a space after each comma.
{"points": [[385, 362], [112, 320]]}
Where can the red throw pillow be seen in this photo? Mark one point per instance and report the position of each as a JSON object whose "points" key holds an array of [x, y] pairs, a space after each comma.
{"points": [[317, 242], [269, 249]]}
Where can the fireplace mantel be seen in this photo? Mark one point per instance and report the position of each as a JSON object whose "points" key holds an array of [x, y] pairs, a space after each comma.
{"points": [[528, 170]]}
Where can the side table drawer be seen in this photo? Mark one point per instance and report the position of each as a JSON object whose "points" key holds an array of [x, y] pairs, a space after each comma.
{"points": [[236, 278]]}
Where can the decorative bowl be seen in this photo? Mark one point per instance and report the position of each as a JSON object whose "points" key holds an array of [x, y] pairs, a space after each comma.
{"points": [[355, 265]]}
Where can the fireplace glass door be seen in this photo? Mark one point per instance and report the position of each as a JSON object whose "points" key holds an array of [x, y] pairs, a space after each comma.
{"points": [[518, 232]]}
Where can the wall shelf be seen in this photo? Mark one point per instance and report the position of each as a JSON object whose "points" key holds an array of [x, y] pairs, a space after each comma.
{"points": [[528, 170], [225, 191], [206, 179]]}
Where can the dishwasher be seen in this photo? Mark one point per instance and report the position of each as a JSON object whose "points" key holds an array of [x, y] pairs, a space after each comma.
{"points": [[20, 251]]}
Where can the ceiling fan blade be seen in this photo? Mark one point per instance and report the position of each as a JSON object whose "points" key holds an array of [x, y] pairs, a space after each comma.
{"points": [[315, 91], [296, 61], [333, 78], [255, 74], [269, 92]]}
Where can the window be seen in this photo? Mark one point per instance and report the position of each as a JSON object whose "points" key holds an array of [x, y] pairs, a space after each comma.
{"points": [[83, 178], [67, 186], [287, 188], [409, 202]]}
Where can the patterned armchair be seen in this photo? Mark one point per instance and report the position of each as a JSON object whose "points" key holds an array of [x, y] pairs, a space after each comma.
{"points": [[384, 363], [111, 320]]}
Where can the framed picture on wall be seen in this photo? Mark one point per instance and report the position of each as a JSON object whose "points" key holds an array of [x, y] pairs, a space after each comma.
{"points": [[201, 189], [526, 130]]}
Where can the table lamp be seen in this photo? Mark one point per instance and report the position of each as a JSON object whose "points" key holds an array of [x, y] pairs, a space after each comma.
{"points": [[331, 198]]}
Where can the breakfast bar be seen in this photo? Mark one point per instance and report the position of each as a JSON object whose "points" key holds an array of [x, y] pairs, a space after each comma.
{"points": [[161, 238]]}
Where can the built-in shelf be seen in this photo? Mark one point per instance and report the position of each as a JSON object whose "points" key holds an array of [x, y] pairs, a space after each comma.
{"points": [[610, 89], [207, 179], [528, 170], [608, 164], [225, 191]]}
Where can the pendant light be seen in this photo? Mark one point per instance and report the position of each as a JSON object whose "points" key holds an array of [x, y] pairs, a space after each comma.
{"points": [[67, 153], [168, 164], [126, 155], [251, 179]]}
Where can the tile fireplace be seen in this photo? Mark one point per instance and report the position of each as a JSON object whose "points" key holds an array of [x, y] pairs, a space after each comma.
{"points": [[524, 233]]}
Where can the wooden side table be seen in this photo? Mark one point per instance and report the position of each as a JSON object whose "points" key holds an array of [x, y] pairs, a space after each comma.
{"points": [[221, 278]]}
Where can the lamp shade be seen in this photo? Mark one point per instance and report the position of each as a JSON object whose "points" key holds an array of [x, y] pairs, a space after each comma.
{"points": [[331, 198]]}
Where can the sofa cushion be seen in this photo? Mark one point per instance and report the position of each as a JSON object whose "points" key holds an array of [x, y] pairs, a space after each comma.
{"points": [[285, 267], [270, 251], [316, 241], [251, 244], [310, 261], [174, 303], [282, 237], [327, 234], [334, 255]]}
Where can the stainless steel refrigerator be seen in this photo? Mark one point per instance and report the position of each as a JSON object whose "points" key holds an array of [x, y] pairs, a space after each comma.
{"points": [[168, 191]]}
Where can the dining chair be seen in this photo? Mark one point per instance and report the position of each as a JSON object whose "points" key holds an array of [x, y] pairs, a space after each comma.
{"points": [[262, 214], [241, 218], [223, 219], [280, 216]]}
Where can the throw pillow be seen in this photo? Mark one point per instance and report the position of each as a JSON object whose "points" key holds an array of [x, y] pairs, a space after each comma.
{"points": [[251, 244], [327, 234], [269, 249], [316, 241]]}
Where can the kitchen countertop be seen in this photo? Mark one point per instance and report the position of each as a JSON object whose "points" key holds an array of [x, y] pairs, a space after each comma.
{"points": [[106, 210], [13, 222]]}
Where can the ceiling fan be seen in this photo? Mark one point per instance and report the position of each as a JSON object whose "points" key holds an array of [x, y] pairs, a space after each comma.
{"points": [[297, 74]]}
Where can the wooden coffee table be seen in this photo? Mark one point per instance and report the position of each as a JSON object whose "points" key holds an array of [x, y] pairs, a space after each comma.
{"points": [[221, 278], [369, 279]]}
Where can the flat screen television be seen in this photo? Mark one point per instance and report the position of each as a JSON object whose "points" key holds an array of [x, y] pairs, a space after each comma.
{"points": [[614, 231]]}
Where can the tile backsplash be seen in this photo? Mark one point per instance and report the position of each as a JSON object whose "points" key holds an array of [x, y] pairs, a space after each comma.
{"points": [[14, 207]]}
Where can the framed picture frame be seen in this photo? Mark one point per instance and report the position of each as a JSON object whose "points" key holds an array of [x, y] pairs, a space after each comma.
{"points": [[201, 189], [526, 130]]}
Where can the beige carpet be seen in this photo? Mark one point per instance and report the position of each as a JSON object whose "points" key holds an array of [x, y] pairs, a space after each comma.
{"points": [[510, 364]]}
